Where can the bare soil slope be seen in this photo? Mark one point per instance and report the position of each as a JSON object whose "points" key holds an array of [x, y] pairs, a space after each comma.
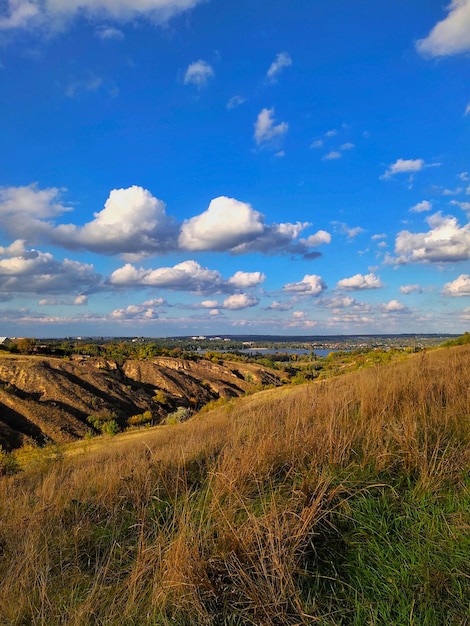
{"points": [[50, 399]]}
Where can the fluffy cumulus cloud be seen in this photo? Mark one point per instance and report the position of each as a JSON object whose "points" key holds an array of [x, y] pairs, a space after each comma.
{"points": [[226, 224], [407, 289], [26, 212], [185, 276], [359, 282], [231, 225], [208, 304], [147, 311], [133, 221], [458, 287], [319, 238], [404, 166], [279, 239], [445, 241], [300, 319], [310, 285], [394, 306], [451, 35], [239, 301], [246, 280], [198, 73], [52, 14], [31, 271], [134, 224], [281, 61], [337, 303], [267, 132], [276, 305]]}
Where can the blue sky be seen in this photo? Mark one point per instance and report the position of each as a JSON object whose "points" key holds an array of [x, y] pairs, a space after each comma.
{"points": [[180, 167]]}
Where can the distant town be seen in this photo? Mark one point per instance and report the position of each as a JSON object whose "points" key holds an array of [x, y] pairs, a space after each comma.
{"points": [[320, 344]]}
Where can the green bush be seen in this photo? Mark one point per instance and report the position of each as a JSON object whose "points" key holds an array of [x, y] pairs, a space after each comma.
{"points": [[105, 422], [8, 463]]}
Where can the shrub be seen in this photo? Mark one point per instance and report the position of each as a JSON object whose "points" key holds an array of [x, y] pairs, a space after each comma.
{"points": [[105, 422], [8, 463], [140, 419]]}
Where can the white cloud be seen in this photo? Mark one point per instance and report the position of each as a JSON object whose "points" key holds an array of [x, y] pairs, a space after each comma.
{"points": [[54, 14], [133, 222], [231, 225], [420, 207], [452, 192], [465, 206], [350, 231], [406, 289], [31, 271], [404, 166], [278, 239], [20, 14], [198, 73], [240, 301], [186, 276], [110, 33], [458, 287], [333, 155], [299, 320], [246, 280], [337, 303], [25, 211], [145, 312], [467, 111], [88, 83], [281, 61], [235, 101], [446, 241], [318, 143], [311, 285], [360, 282], [320, 237], [226, 224], [81, 300], [209, 304], [394, 306], [347, 146], [278, 306], [331, 133], [451, 35], [266, 132]]}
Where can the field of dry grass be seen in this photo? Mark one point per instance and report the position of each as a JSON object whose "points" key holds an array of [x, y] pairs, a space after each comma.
{"points": [[340, 502]]}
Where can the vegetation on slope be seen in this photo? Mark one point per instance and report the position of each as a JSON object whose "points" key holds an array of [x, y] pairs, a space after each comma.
{"points": [[339, 502]]}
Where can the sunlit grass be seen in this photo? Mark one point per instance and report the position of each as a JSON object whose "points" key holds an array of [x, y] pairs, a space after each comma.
{"points": [[340, 502]]}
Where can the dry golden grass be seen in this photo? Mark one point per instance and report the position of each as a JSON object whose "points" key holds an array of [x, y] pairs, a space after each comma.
{"points": [[214, 521]]}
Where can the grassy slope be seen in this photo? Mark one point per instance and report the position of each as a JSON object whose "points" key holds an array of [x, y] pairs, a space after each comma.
{"points": [[345, 502]]}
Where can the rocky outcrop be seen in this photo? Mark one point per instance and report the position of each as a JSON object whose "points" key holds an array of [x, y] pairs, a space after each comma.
{"points": [[49, 399]]}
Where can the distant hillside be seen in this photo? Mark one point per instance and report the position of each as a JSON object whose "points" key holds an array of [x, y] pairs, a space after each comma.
{"points": [[50, 399]]}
